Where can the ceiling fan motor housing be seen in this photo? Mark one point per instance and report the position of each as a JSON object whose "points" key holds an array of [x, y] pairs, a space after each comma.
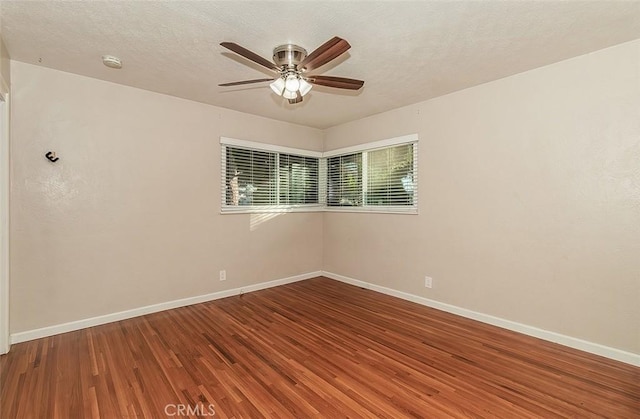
{"points": [[288, 55]]}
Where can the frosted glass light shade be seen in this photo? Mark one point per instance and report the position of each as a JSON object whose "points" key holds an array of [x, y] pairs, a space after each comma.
{"points": [[305, 87], [290, 95], [292, 83], [278, 86]]}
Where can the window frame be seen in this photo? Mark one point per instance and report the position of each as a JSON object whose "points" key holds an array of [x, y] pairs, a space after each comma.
{"points": [[364, 149], [323, 177], [266, 148]]}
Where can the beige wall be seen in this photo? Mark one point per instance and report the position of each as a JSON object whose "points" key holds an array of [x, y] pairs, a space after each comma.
{"points": [[5, 81], [529, 200], [129, 215], [5, 73]]}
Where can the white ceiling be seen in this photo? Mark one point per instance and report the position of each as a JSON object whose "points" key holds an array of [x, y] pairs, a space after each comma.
{"points": [[406, 52]]}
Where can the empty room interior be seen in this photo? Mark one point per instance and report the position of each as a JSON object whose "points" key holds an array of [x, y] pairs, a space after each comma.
{"points": [[295, 209]]}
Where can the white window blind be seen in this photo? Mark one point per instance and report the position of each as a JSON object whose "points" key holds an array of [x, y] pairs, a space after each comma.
{"points": [[266, 180], [375, 177], [344, 180], [381, 179], [298, 179], [390, 176], [251, 177]]}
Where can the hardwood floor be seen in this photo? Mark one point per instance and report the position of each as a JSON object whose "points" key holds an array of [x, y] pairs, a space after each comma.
{"points": [[316, 348]]}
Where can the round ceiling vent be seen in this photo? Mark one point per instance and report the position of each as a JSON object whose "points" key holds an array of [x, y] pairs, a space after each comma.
{"points": [[111, 61]]}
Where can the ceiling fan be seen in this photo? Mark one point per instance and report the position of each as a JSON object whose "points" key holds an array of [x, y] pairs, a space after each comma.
{"points": [[291, 64]]}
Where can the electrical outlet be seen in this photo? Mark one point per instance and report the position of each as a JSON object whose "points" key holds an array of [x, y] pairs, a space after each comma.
{"points": [[428, 282], [223, 275]]}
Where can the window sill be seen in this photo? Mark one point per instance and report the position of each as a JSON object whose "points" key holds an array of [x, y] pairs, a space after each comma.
{"points": [[271, 209], [375, 210], [316, 208]]}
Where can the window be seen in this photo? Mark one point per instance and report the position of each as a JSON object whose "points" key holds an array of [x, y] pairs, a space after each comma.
{"points": [[298, 179], [344, 180], [251, 177], [380, 177], [376, 177], [259, 177], [390, 179]]}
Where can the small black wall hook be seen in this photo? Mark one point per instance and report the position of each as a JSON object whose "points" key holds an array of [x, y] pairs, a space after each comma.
{"points": [[51, 155]]}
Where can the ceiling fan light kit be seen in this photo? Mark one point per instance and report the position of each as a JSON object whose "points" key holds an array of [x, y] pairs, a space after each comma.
{"points": [[292, 83], [288, 94], [278, 86], [305, 87], [291, 62]]}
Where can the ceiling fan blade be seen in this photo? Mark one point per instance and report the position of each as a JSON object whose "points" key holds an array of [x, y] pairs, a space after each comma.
{"points": [[238, 83], [249, 55], [298, 99], [326, 52], [337, 82]]}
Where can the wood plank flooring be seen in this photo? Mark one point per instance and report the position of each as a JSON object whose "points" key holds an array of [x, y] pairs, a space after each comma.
{"points": [[317, 348]]}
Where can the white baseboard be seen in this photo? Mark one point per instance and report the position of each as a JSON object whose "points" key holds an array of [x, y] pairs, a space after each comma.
{"points": [[127, 314], [583, 345]]}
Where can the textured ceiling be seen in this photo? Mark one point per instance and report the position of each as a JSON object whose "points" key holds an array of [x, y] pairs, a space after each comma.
{"points": [[405, 51]]}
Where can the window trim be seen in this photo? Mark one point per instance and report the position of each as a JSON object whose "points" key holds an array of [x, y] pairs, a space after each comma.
{"points": [[270, 148], [405, 139], [254, 145], [365, 149], [322, 157]]}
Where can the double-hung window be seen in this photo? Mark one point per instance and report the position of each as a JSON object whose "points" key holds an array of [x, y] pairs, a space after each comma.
{"points": [[260, 177]]}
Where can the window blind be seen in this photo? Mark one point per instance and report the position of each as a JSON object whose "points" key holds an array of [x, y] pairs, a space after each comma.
{"points": [[390, 176], [373, 180], [378, 177], [250, 177], [298, 179], [267, 180], [344, 180]]}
